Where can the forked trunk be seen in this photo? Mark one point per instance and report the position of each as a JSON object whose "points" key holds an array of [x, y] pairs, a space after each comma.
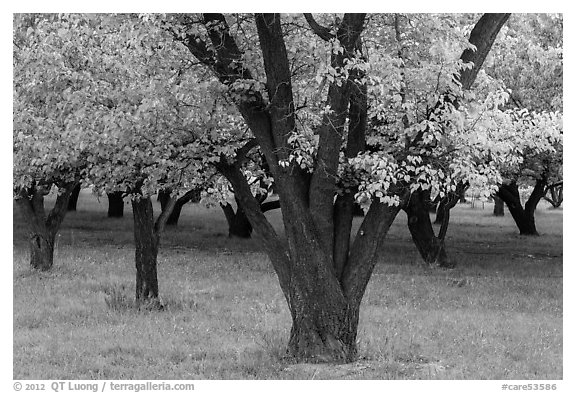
{"points": [[190, 196], [431, 249], [146, 242], [42, 229], [523, 216]]}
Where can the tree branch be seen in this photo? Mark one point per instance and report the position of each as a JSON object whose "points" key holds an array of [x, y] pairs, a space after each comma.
{"points": [[482, 36], [160, 223], [262, 227], [319, 30]]}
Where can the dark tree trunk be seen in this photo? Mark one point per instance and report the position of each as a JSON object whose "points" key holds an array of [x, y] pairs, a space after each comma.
{"points": [[42, 230], [164, 198], [441, 211], [429, 246], [523, 216], [146, 242], [73, 200], [323, 328], [238, 224], [190, 196], [498, 206], [556, 195], [115, 204], [462, 196]]}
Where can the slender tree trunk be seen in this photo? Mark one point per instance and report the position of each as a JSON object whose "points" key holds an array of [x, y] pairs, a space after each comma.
{"points": [[73, 201], [440, 212], [146, 242], [164, 198], [523, 216], [115, 204], [498, 206], [42, 230]]}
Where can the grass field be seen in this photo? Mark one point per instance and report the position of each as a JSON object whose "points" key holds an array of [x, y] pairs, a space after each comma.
{"points": [[498, 315]]}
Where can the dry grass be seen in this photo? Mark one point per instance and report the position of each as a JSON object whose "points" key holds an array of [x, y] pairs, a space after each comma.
{"points": [[498, 315]]}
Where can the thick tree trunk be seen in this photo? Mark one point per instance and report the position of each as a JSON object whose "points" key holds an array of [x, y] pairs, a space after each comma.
{"points": [[523, 216], [42, 248], [115, 204], [42, 230], [73, 200], [321, 330], [146, 241], [498, 206]]}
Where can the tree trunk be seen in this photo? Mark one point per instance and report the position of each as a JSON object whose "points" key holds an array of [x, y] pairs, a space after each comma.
{"points": [[322, 331], [42, 230], [115, 204], [42, 248], [73, 200], [146, 242], [164, 197], [238, 224], [429, 246], [523, 216], [498, 206], [440, 211], [556, 195], [190, 196]]}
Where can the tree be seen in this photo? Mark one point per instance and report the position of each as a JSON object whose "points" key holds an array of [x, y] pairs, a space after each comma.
{"points": [[144, 145], [539, 144], [52, 122], [430, 246], [315, 148], [528, 59]]}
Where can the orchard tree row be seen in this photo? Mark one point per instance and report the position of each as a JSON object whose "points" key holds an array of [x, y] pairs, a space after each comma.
{"points": [[387, 111]]}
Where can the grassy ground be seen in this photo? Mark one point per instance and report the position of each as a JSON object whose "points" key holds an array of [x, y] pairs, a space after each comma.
{"points": [[498, 315]]}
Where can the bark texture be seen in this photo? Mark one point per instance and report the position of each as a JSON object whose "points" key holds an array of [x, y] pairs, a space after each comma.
{"points": [[147, 241]]}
